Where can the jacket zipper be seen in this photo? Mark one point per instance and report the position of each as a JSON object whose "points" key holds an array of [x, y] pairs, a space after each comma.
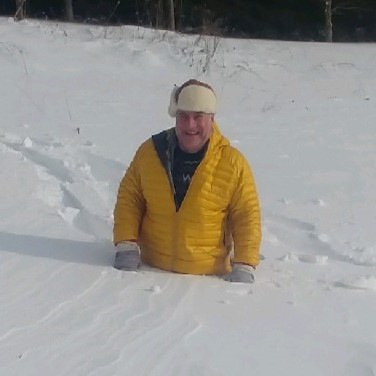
{"points": [[169, 167]]}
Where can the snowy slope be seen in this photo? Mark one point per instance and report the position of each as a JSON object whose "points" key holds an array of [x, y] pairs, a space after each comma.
{"points": [[77, 100]]}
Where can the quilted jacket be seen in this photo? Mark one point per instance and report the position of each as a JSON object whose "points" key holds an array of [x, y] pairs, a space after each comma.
{"points": [[219, 214]]}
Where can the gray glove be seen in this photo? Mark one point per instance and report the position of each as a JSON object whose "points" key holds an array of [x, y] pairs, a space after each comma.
{"points": [[240, 273], [127, 256]]}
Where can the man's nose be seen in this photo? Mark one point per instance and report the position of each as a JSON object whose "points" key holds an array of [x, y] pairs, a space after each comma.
{"points": [[191, 123]]}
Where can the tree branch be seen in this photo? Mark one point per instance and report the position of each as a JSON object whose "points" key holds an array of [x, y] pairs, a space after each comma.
{"points": [[19, 9]]}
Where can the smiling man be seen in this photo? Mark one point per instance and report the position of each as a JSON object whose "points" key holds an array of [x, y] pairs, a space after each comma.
{"points": [[188, 201]]}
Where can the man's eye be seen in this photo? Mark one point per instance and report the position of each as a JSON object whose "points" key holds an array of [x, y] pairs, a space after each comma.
{"points": [[198, 117]]}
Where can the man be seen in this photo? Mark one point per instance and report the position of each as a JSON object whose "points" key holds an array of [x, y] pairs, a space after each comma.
{"points": [[189, 197]]}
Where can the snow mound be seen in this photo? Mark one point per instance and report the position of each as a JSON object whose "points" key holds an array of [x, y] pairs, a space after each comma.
{"points": [[358, 283], [310, 259], [363, 255]]}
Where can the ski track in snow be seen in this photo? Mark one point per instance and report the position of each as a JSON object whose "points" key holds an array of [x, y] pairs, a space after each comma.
{"points": [[67, 183]]}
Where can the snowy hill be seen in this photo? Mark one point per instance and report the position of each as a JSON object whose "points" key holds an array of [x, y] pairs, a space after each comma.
{"points": [[77, 100]]}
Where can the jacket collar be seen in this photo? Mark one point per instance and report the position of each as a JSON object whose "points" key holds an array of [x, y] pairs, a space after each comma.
{"points": [[217, 139], [165, 142]]}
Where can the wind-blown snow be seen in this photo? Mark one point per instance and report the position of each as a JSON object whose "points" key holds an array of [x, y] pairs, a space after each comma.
{"points": [[76, 102]]}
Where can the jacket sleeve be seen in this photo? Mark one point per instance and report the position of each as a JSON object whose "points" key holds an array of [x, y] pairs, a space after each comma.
{"points": [[130, 204], [244, 217]]}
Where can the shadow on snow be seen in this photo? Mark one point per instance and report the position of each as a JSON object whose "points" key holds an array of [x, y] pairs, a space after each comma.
{"points": [[90, 253]]}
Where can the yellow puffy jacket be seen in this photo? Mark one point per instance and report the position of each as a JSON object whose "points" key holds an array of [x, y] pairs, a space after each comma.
{"points": [[220, 210]]}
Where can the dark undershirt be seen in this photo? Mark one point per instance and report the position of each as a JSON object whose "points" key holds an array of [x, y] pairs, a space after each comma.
{"points": [[184, 167]]}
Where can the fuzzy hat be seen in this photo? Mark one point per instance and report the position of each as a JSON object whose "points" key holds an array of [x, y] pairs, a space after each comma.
{"points": [[193, 95]]}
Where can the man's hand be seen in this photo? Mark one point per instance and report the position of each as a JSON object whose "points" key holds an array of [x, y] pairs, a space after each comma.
{"points": [[127, 256], [240, 273]]}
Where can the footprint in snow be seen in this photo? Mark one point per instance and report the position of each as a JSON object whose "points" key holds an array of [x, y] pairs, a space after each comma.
{"points": [[319, 202], [154, 289], [296, 234], [243, 291]]}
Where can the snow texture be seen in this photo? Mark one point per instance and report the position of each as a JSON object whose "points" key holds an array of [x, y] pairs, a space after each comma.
{"points": [[77, 101]]}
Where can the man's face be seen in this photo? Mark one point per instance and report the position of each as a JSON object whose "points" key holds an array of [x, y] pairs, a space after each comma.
{"points": [[193, 129]]}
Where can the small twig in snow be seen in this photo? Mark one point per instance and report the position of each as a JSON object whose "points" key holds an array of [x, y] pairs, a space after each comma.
{"points": [[69, 111], [24, 63]]}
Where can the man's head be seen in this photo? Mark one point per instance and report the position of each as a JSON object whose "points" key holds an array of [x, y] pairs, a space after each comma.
{"points": [[194, 105]]}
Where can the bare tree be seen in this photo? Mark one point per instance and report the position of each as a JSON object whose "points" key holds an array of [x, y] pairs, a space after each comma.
{"points": [[20, 10], [328, 21], [161, 13], [335, 7], [69, 10]]}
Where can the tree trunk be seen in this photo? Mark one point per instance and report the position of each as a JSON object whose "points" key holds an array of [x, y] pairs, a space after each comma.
{"points": [[170, 14], [20, 11], [159, 19], [69, 10], [328, 21], [179, 13]]}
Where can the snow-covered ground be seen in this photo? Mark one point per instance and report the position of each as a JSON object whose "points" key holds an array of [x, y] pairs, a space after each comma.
{"points": [[77, 100]]}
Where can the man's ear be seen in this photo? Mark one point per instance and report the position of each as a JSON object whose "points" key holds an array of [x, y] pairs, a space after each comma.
{"points": [[172, 108]]}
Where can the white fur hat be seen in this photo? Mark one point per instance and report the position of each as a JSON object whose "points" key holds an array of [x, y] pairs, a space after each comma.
{"points": [[193, 96]]}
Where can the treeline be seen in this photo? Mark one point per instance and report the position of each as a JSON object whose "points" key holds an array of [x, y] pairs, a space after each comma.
{"points": [[338, 20]]}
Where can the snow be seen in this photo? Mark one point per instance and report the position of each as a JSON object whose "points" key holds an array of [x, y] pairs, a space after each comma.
{"points": [[76, 102]]}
